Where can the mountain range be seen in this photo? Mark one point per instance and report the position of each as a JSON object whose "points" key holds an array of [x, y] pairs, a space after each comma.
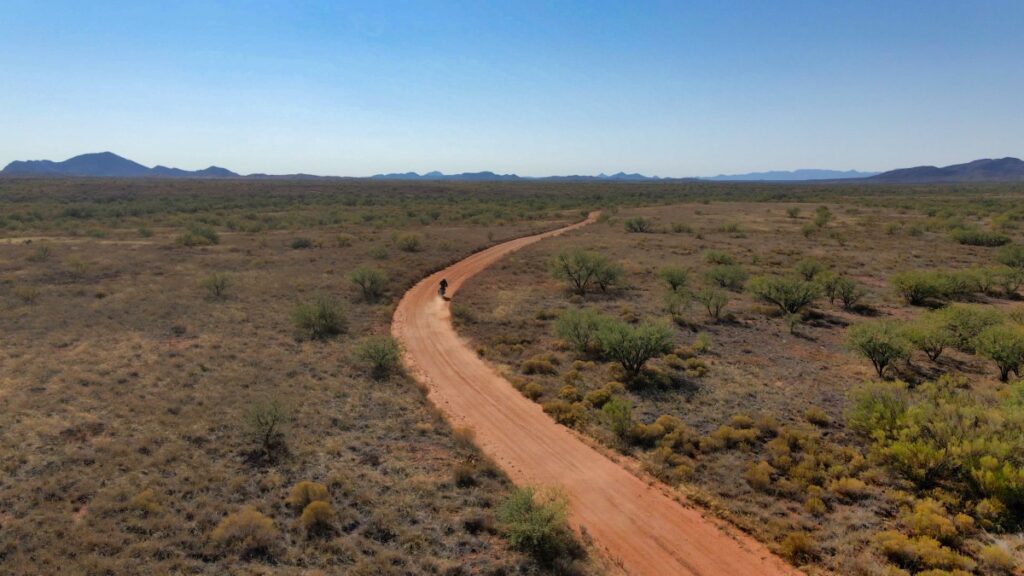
{"points": [[792, 175], [985, 170], [107, 165], [110, 165]]}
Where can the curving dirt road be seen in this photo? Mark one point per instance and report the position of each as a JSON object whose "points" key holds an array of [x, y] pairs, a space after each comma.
{"points": [[637, 525]]}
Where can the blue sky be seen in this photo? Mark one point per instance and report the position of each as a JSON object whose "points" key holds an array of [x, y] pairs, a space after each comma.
{"points": [[536, 88]]}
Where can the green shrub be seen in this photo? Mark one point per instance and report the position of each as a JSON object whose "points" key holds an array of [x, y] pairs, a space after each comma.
{"points": [[632, 346], [1004, 345], [920, 553], [199, 235], [878, 407], [974, 237], [599, 397], [880, 341], [565, 413], [382, 354], [579, 328], [966, 321], [791, 295], [822, 216], [370, 281], [410, 243], [608, 274], [1009, 280], [536, 525], [719, 258], [639, 225], [321, 319], [1011, 255], [793, 211], [729, 276], [713, 300], [582, 270], [618, 412], [849, 292], [917, 286], [810, 268], [301, 243], [265, 424], [675, 277], [930, 334], [216, 285]]}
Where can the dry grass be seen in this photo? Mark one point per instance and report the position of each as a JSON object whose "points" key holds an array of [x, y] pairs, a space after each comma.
{"points": [[767, 377], [127, 384]]}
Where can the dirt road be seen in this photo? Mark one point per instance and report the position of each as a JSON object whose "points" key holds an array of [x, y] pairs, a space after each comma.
{"points": [[637, 525]]}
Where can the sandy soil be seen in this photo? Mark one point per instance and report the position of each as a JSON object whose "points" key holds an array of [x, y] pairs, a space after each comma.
{"points": [[637, 525]]}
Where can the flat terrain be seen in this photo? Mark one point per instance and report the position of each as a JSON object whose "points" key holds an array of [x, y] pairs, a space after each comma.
{"points": [[638, 526], [187, 376], [127, 386], [754, 395]]}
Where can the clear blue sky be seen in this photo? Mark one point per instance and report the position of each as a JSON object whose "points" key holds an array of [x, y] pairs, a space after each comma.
{"points": [[666, 88]]}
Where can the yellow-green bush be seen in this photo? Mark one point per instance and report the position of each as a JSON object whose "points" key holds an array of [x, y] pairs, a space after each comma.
{"points": [[305, 492]]}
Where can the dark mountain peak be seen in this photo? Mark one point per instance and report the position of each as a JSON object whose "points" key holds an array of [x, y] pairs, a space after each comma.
{"points": [[107, 165], [985, 170]]}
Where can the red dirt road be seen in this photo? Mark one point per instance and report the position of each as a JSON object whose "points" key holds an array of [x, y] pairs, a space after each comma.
{"points": [[637, 525]]}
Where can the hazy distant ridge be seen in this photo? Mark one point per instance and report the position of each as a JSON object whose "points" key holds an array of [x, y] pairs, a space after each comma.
{"points": [[985, 170], [108, 165], [793, 175]]}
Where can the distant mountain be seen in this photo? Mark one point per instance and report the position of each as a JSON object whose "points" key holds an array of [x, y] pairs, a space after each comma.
{"points": [[492, 177], [986, 170], [435, 175], [793, 175], [107, 165]]}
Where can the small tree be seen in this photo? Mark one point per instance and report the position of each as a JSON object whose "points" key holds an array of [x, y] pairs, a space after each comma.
{"points": [[1011, 255], [713, 300], [1004, 345], [731, 276], [718, 257], [791, 295], [917, 286], [371, 282], [217, 284], [632, 346], [810, 268], [382, 354], [536, 525], [822, 216], [931, 335], [675, 277], [607, 274], [265, 422], [320, 319], [1010, 280], [579, 327], [965, 322], [639, 225], [880, 341], [583, 269], [850, 293]]}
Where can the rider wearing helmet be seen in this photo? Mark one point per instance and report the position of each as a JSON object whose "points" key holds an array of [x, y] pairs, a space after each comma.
{"points": [[444, 287]]}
